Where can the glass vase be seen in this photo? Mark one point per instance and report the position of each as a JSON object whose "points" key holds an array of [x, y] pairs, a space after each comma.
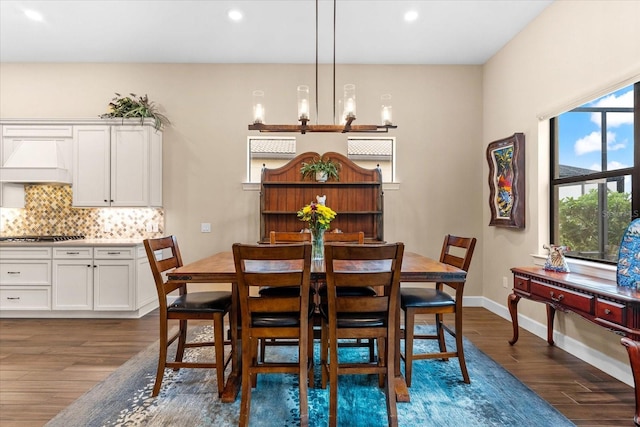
{"points": [[317, 244]]}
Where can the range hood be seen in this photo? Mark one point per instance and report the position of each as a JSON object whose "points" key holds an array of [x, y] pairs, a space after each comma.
{"points": [[37, 162]]}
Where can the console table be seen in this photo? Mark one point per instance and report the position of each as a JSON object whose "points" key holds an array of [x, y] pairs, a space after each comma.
{"points": [[600, 301]]}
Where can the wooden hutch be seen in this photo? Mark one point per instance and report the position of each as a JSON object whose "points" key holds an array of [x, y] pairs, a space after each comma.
{"points": [[357, 197]]}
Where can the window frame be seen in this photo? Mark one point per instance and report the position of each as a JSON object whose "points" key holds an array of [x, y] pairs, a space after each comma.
{"points": [[392, 139], [249, 152], [633, 171]]}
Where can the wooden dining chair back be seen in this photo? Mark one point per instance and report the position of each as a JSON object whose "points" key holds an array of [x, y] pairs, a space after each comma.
{"points": [[284, 317], [351, 315], [348, 237], [288, 237], [164, 255], [457, 252]]}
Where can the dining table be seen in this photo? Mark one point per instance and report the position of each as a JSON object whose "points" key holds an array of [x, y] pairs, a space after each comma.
{"points": [[220, 268]]}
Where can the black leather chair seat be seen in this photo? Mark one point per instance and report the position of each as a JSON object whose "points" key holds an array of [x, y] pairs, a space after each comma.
{"points": [[356, 320], [424, 297], [346, 291], [213, 301], [275, 320], [282, 291]]}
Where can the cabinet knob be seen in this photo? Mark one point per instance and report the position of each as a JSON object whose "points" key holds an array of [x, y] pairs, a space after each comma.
{"points": [[13, 272], [13, 297], [558, 299], [73, 253], [607, 311], [113, 253], [105, 200]]}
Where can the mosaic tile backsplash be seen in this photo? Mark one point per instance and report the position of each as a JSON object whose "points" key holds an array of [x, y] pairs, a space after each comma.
{"points": [[48, 211]]}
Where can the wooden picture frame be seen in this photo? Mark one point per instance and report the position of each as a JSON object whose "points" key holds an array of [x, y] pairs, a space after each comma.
{"points": [[506, 181]]}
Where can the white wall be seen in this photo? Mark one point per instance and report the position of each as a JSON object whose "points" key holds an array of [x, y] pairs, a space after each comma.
{"points": [[572, 53], [438, 110]]}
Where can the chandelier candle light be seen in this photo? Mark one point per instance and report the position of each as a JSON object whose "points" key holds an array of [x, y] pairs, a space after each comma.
{"points": [[318, 217], [346, 112]]}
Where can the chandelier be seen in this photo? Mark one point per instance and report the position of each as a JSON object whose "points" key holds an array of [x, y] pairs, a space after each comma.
{"points": [[347, 105]]}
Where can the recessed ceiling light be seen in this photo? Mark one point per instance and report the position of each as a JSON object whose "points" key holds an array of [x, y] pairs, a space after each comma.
{"points": [[411, 16], [235, 15], [34, 15]]}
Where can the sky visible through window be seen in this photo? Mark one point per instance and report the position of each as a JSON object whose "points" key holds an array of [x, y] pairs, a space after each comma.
{"points": [[580, 140]]}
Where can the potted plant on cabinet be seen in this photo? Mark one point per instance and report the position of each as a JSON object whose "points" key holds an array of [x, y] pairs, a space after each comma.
{"points": [[321, 169], [135, 106]]}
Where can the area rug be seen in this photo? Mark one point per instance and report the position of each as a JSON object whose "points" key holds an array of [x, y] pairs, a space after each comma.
{"points": [[188, 397]]}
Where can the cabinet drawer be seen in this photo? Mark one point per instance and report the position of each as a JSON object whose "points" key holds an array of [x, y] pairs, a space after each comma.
{"points": [[73, 253], [32, 298], [25, 273], [19, 252], [114, 253], [564, 296], [611, 311], [521, 283]]}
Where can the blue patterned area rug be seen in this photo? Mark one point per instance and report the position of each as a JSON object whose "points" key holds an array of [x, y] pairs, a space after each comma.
{"points": [[188, 397]]}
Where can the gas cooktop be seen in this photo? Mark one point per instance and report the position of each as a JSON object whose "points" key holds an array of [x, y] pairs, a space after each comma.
{"points": [[40, 238]]}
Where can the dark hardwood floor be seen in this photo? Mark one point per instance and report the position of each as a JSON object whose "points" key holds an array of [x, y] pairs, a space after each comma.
{"points": [[46, 364]]}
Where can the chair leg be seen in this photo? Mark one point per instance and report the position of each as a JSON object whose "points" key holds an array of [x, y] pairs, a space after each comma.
{"points": [[324, 350], [440, 333], [254, 361], [382, 359], [390, 391], [409, 320], [310, 363], [459, 347], [333, 384], [162, 356], [218, 338], [303, 372], [247, 363], [182, 339], [372, 355]]}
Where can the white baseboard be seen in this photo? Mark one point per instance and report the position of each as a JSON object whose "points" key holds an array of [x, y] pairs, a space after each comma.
{"points": [[615, 368]]}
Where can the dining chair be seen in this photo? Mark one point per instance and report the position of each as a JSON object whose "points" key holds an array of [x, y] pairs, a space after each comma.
{"points": [[288, 237], [164, 255], [354, 316], [456, 251], [284, 317]]}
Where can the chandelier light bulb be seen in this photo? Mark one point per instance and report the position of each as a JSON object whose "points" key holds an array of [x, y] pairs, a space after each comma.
{"points": [[258, 106], [349, 101], [303, 102], [386, 112]]}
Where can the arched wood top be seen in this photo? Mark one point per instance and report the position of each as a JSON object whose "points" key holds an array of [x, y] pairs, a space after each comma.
{"points": [[349, 171]]}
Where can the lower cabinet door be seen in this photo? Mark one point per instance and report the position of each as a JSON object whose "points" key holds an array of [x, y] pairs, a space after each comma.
{"points": [[113, 285], [73, 284]]}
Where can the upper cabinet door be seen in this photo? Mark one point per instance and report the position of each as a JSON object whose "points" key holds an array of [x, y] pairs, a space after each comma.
{"points": [[130, 165], [91, 168], [117, 165]]}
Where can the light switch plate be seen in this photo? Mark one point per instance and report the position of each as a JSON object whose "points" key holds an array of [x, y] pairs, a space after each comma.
{"points": [[205, 227]]}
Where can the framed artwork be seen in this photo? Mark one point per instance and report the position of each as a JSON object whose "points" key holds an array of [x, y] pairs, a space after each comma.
{"points": [[506, 181]]}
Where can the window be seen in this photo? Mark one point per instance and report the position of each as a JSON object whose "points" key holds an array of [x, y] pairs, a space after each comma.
{"points": [[370, 153], [595, 174], [268, 152]]}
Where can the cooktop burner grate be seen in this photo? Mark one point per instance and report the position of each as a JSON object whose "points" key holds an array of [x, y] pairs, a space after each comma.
{"points": [[40, 238]]}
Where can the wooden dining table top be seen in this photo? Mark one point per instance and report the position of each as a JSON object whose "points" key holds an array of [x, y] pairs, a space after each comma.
{"points": [[220, 268]]}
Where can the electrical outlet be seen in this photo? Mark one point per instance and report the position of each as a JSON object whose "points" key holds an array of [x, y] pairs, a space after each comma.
{"points": [[107, 227], [205, 227], [505, 282], [154, 227], [149, 227]]}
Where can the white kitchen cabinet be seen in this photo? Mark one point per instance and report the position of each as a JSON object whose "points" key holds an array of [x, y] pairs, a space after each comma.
{"points": [[72, 278], [117, 165], [25, 279], [114, 279], [76, 280], [146, 286]]}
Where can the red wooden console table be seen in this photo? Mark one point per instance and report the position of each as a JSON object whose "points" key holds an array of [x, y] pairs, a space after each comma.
{"points": [[600, 301]]}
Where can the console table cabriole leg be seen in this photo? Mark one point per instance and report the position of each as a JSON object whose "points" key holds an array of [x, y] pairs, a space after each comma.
{"points": [[551, 313], [512, 303], [633, 349]]}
